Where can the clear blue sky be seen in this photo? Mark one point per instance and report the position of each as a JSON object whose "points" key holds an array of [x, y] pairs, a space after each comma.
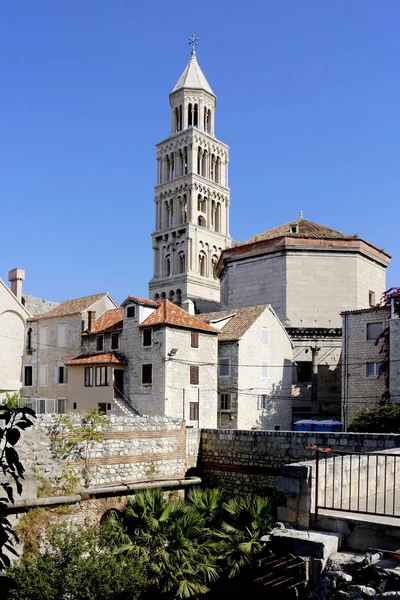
{"points": [[308, 101]]}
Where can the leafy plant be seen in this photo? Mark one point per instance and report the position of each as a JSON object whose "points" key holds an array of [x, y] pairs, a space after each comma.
{"points": [[391, 296], [16, 420], [382, 419]]}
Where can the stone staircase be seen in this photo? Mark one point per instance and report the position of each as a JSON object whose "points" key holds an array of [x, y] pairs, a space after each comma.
{"points": [[123, 407]]}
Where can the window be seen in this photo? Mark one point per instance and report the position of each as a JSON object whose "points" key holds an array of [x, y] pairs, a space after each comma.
{"points": [[294, 229], [262, 401], [88, 376], [194, 375], [62, 335], [194, 411], [43, 375], [224, 367], [147, 337], [224, 401], [29, 339], [44, 336], [373, 330], [372, 369], [264, 369], [265, 335], [60, 375], [60, 406], [114, 341], [75, 406], [28, 375], [131, 312], [99, 343], [304, 372], [147, 374], [194, 339], [371, 298], [101, 376]]}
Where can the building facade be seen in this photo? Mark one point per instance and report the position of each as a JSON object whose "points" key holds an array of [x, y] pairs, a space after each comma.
{"points": [[192, 198], [254, 369]]}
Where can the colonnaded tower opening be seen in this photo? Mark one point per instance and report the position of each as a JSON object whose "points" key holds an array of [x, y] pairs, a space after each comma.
{"points": [[191, 197]]}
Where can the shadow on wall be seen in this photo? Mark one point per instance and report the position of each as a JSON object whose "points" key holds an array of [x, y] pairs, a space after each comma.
{"points": [[275, 408]]}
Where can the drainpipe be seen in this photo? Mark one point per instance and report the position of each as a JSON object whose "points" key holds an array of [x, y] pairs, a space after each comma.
{"points": [[314, 379], [105, 492]]}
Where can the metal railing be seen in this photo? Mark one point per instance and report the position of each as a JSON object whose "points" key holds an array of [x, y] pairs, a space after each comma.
{"points": [[357, 482]]}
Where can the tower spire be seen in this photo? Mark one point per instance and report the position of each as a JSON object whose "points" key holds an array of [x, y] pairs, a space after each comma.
{"points": [[193, 41]]}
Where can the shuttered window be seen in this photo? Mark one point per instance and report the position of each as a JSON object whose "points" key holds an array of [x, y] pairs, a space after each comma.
{"points": [[194, 375]]}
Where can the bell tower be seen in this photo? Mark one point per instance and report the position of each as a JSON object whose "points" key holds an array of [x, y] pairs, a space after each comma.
{"points": [[191, 197]]}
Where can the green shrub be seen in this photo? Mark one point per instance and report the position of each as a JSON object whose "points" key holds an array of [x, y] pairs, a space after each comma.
{"points": [[382, 419]]}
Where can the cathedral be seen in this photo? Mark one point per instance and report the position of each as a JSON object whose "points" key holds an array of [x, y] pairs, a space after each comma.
{"points": [[308, 273]]}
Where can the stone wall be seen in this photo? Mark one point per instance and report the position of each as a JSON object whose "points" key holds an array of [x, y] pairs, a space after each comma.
{"points": [[134, 449], [244, 462], [395, 361]]}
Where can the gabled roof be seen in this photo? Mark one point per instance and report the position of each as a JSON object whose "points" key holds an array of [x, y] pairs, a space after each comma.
{"points": [[304, 229], [142, 301], [73, 307], [193, 77], [170, 314], [111, 320], [106, 358], [9, 292], [241, 320]]}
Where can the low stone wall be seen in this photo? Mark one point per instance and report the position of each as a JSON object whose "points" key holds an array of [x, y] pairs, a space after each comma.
{"points": [[133, 449], [244, 462]]}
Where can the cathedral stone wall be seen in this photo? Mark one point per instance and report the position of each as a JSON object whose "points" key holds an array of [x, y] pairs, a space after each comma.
{"points": [[395, 361]]}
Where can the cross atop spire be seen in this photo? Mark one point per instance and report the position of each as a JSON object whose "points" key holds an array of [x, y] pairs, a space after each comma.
{"points": [[193, 41]]}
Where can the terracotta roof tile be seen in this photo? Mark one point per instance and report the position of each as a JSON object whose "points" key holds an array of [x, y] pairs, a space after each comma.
{"points": [[73, 307], [169, 314], [105, 358], [305, 229], [366, 310], [111, 320], [143, 301], [242, 319]]}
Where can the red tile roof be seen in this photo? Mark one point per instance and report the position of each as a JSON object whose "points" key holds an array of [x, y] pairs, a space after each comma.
{"points": [[305, 229], [111, 320], [73, 307], [240, 321], [143, 301], [169, 314], [105, 358]]}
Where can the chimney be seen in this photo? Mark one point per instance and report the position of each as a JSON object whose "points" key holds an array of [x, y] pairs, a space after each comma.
{"points": [[16, 277], [91, 320], [188, 305]]}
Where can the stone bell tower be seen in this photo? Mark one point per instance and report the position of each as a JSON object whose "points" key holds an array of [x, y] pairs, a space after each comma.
{"points": [[191, 197]]}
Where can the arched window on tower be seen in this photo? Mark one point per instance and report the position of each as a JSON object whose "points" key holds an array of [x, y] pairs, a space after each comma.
{"points": [[185, 161], [156, 297], [218, 218], [202, 264], [218, 170], [172, 159], [207, 114], [176, 118], [181, 262], [184, 209], [214, 262], [171, 296], [167, 265], [170, 214], [201, 222], [199, 154], [196, 116], [201, 203], [212, 167], [163, 296], [178, 297], [204, 164], [190, 115]]}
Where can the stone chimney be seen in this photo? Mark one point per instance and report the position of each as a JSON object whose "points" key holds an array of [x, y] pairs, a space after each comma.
{"points": [[91, 320], [16, 277], [188, 305]]}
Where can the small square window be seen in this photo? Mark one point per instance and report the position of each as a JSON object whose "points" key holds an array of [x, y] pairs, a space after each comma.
{"points": [[194, 375], [194, 411], [224, 367], [88, 376], [371, 298], [100, 343], [114, 341], [101, 376], [224, 401], [74, 406], [28, 376], [147, 337], [265, 335], [294, 229], [374, 330], [194, 339], [147, 374], [262, 402], [61, 375], [372, 369], [131, 312]]}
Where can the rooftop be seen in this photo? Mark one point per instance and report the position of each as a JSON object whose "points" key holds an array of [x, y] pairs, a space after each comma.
{"points": [[104, 358], [111, 320], [193, 77], [241, 320], [142, 301], [300, 228], [73, 307], [170, 314]]}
